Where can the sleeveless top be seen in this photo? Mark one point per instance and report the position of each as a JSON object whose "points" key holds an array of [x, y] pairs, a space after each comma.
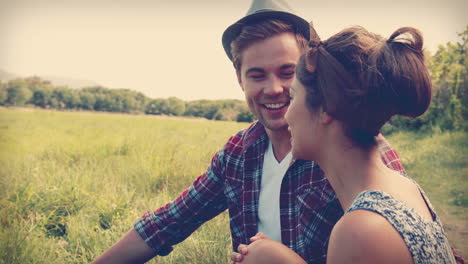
{"points": [[425, 239]]}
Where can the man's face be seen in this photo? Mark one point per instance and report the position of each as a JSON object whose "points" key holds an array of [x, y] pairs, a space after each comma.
{"points": [[266, 73]]}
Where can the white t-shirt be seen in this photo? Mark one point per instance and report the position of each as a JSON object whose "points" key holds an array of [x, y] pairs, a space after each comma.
{"points": [[269, 204]]}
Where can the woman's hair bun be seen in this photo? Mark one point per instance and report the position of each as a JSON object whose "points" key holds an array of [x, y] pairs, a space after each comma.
{"points": [[408, 36], [406, 78]]}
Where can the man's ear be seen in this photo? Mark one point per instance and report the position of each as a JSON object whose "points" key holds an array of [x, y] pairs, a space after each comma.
{"points": [[239, 79]]}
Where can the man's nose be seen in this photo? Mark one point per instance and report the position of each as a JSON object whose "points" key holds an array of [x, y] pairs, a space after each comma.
{"points": [[274, 87]]}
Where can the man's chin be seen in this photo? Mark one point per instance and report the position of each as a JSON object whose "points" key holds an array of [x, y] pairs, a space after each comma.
{"points": [[275, 125]]}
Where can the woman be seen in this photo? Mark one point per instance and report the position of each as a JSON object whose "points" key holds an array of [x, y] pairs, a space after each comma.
{"points": [[345, 90]]}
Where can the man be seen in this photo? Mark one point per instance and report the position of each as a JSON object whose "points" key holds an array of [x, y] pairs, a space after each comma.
{"points": [[253, 175]]}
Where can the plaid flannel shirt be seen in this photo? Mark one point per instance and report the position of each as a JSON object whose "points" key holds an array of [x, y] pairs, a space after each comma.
{"points": [[309, 207]]}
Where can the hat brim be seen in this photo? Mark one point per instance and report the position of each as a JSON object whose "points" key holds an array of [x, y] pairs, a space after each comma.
{"points": [[300, 25]]}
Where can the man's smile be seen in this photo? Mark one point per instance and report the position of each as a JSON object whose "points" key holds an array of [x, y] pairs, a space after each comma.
{"points": [[275, 106]]}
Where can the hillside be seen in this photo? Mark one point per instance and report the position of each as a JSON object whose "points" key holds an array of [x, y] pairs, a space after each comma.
{"points": [[55, 80]]}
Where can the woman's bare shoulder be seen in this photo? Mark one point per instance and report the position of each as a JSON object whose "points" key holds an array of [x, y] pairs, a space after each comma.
{"points": [[366, 237]]}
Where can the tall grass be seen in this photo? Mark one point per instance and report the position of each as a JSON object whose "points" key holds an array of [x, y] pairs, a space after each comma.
{"points": [[72, 183]]}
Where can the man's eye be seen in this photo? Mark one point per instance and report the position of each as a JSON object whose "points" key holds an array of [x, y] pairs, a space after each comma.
{"points": [[257, 77], [288, 74]]}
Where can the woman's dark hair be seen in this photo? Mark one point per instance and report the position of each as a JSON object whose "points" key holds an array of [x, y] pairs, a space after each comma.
{"points": [[363, 80]]}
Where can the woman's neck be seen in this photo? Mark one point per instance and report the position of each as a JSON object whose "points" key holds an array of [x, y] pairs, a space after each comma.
{"points": [[351, 170]]}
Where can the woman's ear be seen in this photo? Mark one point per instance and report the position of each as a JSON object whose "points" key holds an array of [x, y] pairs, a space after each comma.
{"points": [[325, 118]]}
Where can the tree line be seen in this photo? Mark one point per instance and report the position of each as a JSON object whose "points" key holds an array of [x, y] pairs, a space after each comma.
{"points": [[448, 110], [33, 91]]}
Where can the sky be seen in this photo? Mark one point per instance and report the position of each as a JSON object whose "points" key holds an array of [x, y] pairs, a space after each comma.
{"points": [[173, 48]]}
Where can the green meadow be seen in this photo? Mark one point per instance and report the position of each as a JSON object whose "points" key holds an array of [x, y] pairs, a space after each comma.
{"points": [[72, 183]]}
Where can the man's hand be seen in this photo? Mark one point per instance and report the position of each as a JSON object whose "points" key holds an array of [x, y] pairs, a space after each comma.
{"points": [[243, 249]]}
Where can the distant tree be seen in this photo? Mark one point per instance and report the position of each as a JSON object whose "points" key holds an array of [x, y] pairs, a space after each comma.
{"points": [[126, 102], [226, 114], [3, 93], [18, 92], [64, 98], [41, 96], [155, 107], [70, 98], [449, 70], [141, 101], [87, 100], [175, 106], [245, 116], [129, 102], [201, 108], [36, 81], [102, 103], [226, 109]]}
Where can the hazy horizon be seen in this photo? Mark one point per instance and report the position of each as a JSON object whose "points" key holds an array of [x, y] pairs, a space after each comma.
{"points": [[174, 49]]}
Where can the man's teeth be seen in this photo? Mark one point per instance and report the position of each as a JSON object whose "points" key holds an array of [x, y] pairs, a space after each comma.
{"points": [[275, 106]]}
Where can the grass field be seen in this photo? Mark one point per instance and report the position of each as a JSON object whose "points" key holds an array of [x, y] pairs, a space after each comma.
{"points": [[71, 183]]}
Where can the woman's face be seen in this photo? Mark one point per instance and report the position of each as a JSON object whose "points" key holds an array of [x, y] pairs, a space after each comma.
{"points": [[303, 124]]}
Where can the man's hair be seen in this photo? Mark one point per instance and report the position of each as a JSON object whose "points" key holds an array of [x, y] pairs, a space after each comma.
{"points": [[260, 31]]}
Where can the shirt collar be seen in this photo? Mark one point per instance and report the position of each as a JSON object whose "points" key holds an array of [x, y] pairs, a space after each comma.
{"points": [[255, 132]]}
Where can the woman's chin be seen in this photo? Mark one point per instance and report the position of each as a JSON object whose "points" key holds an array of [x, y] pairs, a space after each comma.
{"points": [[298, 154]]}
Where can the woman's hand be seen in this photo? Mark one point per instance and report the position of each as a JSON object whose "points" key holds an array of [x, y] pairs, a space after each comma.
{"points": [[242, 249], [258, 236]]}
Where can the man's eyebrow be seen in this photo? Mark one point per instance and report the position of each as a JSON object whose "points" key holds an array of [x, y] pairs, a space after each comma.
{"points": [[254, 70], [288, 66]]}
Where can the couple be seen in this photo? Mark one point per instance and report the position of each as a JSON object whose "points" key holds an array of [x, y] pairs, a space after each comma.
{"points": [[322, 101]]}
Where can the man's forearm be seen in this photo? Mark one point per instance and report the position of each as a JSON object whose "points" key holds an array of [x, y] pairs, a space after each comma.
{"points": [[131, 248]]}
